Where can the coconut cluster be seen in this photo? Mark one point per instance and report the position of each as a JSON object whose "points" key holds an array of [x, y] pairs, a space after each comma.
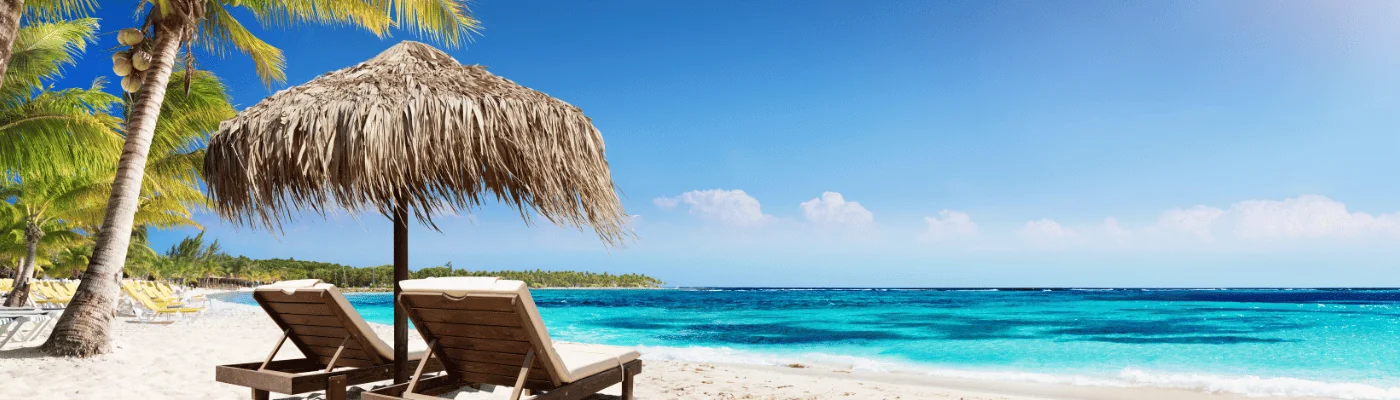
{"points": [[132, 63]]}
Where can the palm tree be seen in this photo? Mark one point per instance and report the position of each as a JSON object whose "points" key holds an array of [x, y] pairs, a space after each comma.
{"points": [[193, 258], [76, 202], [47, 208], [44, 10], [170, 24], [44, 130]]}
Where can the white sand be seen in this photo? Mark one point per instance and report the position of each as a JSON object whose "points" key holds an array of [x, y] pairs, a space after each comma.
{"points": [[177, 361]]}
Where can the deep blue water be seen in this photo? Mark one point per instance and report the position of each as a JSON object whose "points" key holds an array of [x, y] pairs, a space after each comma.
{"points": [[1334, 342]]}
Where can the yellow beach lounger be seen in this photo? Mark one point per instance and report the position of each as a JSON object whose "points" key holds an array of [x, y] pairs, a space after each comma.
{"points": [[487, 331], [149, 288], [157, 309], [48, 294]]}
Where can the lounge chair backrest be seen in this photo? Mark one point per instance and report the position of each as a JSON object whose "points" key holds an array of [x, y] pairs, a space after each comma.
{"points": [[165, 289], [45, 289], [149, 288], [133, 289], [485, 327], [319, 319]]}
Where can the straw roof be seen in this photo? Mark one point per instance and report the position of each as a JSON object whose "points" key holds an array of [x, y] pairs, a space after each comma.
{"points": [[412, 124]]}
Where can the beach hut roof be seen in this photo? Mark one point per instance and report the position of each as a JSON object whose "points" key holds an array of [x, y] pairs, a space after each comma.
{"points": [[412, 125]]}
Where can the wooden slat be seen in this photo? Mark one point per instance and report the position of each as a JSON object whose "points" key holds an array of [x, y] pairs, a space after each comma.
{"points": [[345, 362], [486, 356], [503, 370], [323, 331], [329, 351], [361, 374], [474, 303], [301, 308], [492, 345], [490, 318], [532, 384], [294, 365], [328, 341], [311, 320], [477, 331], [429, 386]]}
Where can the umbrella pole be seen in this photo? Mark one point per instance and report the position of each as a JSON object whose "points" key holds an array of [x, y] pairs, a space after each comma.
{"points": [[400, 273]]}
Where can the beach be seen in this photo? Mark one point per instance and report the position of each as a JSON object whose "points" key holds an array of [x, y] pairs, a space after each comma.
{"points": [[177, 361]]}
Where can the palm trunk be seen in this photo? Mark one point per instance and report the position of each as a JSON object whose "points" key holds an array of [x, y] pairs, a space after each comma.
{"points": [[10, 13], [83, 329], [20, 294]]}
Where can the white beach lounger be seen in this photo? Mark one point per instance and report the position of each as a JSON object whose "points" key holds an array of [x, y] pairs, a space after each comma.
{"points": [[488, 331], [13, 320]]}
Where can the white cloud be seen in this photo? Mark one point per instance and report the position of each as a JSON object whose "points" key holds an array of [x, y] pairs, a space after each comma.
{"points": [[1302, 217], [950, 223], [1114, 231], [1045, 229], [1308, 216], [1195, 221], [730, 207], [831, 209], [666, 203]]}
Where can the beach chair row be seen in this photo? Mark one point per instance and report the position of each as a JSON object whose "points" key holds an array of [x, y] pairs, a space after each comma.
{"points": [[480, 332], [51, 293], [152, 300]]}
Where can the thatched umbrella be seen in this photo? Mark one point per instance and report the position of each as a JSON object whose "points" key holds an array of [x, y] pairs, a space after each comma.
{"points": [[411, 130]]}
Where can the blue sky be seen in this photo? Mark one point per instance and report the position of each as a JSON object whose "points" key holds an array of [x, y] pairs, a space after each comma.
{"points": [[964, 143]]}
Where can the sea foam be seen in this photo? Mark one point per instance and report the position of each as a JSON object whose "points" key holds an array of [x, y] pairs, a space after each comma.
{"points": [[1127, 377]]}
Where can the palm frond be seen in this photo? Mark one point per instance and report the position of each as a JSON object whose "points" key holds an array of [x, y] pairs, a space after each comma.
{"points": [[51, 10], [219, 31], [59, 132], [284, 14], [41, 51], [445, 21]]}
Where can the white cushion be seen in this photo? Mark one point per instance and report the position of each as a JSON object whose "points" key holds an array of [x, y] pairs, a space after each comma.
{"points": [[584, 360], [458, 286], [290, 287]]}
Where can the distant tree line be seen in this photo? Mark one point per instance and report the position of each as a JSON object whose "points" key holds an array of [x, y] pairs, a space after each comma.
{"points": [[194, 261], [382, 276]]}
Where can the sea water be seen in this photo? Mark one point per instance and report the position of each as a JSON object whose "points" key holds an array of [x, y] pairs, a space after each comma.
{"points": [[1304, 342]]}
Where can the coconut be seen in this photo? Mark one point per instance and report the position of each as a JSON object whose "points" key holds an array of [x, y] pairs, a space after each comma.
{"points": [[141, 60], [130, 37], [121, 66], [131, 83]]}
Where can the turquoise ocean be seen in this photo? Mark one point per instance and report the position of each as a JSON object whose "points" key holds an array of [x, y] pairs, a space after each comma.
{"points": [[1341, 343]]}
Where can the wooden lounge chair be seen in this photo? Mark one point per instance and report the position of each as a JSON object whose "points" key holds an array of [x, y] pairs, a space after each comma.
{"points": [[487, 331], [340, 347]]}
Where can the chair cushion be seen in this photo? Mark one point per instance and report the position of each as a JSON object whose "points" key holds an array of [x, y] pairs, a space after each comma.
{"points": [[584, 360], [290, 287], [458, 286]]}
